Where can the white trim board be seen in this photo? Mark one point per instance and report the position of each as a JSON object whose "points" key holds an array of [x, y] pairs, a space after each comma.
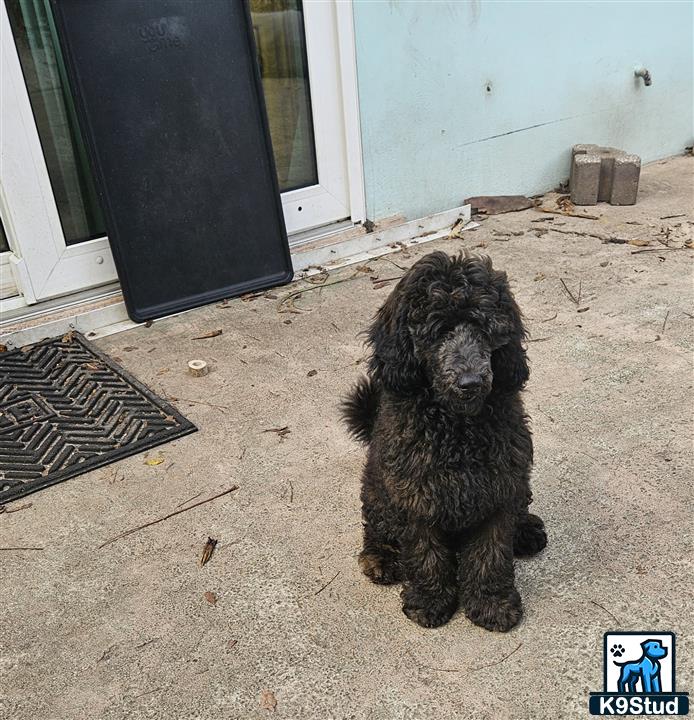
{"points": [[345, 252], [107, 316]]}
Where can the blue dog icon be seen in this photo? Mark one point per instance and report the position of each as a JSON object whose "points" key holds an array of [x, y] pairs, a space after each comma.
{"points": [[646, 669]]}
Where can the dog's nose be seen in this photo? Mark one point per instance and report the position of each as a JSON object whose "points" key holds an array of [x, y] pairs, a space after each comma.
{"points": [[469, 381]]}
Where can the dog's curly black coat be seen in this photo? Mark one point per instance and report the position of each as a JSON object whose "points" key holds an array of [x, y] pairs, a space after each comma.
{"points": [[446, 487]]}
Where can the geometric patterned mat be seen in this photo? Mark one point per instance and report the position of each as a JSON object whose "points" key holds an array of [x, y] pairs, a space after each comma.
{"points": [[66, 408]]}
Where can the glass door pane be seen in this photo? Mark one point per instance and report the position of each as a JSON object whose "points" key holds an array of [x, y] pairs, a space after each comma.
{"points": [[278, 26], [56, 120], [4, 245]]}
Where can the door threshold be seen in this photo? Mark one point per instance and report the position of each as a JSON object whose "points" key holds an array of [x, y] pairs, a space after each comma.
{"points": [[102, 312]]}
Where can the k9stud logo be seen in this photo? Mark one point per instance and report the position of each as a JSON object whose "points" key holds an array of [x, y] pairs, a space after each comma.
{"points": [[639, 673]]}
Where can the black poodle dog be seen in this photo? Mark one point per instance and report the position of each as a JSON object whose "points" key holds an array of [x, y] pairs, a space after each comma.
{"points": [[446, 487]]}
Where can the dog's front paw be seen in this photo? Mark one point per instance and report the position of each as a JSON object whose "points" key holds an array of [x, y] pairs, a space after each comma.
{"points": [[497, 613], [427, 611], [382, 570], [530, 536]]}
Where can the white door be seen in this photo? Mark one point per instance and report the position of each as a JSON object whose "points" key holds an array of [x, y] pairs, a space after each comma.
{"points": [[48, 203]]}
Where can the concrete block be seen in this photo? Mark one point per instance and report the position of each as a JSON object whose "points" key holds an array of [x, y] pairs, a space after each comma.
{"points": [[603, 174], [625, 179], [585, 179]]}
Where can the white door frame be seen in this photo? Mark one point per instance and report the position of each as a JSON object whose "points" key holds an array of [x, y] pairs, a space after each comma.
{"points": [[45, 267], [332, 69]]}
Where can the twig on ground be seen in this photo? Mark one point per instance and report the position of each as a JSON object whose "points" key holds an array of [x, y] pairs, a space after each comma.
{"points": [[106, 654], [606, 610], [568, 214], [667, 314], [287, 298], [320, 590], [281, 432], [5, 509], [21, 548], [222, 408], [660, 249], [568, 292], [392, 262], [668, 217], [498, 662], [472, 669], [291, 492], [207, 336], [378, 283], [375, 280], [185, 502], [166, 517], [550, 318]]}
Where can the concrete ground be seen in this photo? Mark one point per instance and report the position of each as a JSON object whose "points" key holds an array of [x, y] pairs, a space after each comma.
{"points": [[126, 631]]}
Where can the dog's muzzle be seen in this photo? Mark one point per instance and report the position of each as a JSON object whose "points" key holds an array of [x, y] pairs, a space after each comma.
{"points": [[463, 369]]}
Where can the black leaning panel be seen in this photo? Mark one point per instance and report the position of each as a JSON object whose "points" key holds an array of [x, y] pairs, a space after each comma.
{"points": [[171, 106]]}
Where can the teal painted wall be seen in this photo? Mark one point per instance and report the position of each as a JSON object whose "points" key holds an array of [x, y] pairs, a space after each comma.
{"points": [[559, 73]]}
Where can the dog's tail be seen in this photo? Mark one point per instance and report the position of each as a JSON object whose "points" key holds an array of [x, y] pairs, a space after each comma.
{"points": [[359, 409]]}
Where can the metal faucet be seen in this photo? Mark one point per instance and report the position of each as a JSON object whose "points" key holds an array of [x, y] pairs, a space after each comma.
{"points": [[642, 72]]}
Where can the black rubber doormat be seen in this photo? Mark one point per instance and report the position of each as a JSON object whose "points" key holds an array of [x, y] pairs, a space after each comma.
{"points": [[66, 408]]}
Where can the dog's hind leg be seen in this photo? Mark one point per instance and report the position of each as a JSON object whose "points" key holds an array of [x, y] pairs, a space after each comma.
{"points": [[529, 537], [489, 594]]}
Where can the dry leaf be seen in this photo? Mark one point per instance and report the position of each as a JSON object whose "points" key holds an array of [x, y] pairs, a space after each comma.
{"points": [[211, 597], [231, 644], [207, 551], [268, 701], [211, 334], [69, 336], [364, 269], [311, 373], [565, 204], [538, 277], [458, 225], [3, 348], [639, 243], [154, 461]]}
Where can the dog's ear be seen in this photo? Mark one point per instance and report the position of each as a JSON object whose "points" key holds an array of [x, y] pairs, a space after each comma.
{"points": [[509, 361], [393, 362]]}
